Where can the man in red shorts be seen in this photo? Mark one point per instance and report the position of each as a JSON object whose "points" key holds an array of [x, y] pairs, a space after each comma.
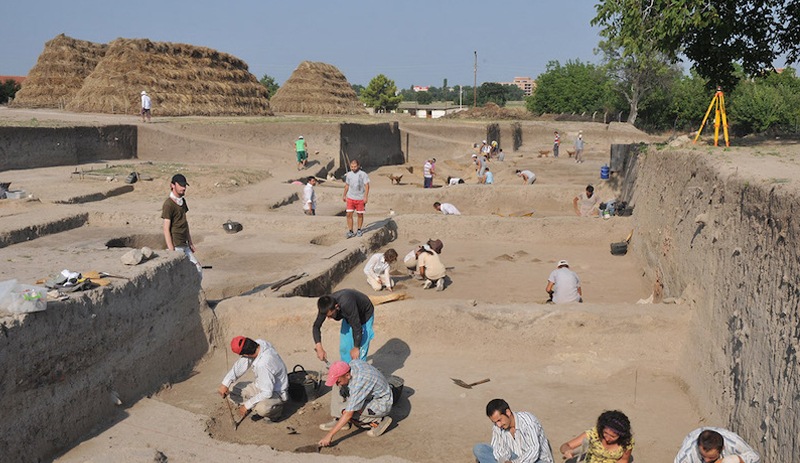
{"points": [[356, 195]]}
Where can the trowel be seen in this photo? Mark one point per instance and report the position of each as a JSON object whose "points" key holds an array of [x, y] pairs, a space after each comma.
{"points": [[469, 385]]}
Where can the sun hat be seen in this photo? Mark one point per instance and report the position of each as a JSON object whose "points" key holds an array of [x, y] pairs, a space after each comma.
{"points": [[144, 93], [300, 137], [474, 155], [337, 370], [563, 263]]}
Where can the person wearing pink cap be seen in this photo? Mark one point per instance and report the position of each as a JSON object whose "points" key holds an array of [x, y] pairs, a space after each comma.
{"points": [[266, 395], [367, 404]]}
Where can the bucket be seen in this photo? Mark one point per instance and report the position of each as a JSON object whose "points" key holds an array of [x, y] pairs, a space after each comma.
{"points": [[604, 172], [303, 385]]}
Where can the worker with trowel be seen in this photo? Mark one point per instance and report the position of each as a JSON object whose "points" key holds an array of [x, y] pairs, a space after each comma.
{"points": [[266, 395], [356, 312], [368, 401]]}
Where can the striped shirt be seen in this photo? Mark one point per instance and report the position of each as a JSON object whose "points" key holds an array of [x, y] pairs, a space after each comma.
{"points": [[368, 384], [530, 445], [733, 445], [426, 169]]}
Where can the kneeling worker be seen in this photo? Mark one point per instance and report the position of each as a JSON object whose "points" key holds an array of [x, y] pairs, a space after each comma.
{"points": [[368, 403], [378, 268], [266, 395], [563, 285]]}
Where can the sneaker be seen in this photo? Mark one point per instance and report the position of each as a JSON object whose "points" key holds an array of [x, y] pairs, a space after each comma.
{"points": [[427, 284], [381, 427], [350, 234], [440, 284], [331, 424], [359, 233]]}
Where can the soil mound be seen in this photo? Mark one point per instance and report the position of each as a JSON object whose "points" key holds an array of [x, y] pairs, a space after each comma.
{"points": [[317, 88], [59, 73], [491, 111]]}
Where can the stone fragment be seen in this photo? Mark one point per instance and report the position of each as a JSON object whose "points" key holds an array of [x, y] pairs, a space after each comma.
{"points": [[132, 257]]}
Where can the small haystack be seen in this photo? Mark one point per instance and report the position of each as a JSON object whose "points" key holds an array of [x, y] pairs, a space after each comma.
{"points": [[317, 88], [59, 73], [180, 79]]}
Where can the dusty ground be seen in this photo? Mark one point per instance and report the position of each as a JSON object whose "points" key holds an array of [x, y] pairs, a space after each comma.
{"points": [[564, 364]]}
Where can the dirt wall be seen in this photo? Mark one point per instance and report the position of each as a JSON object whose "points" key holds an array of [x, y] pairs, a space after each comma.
{"points": [[728, 244], [31, 147], [374, 145], [62, 368]]}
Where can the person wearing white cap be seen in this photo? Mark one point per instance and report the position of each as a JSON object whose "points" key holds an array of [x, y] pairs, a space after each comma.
{"points": [[563, 285], [145, 107], [302, 152], [579, 147]]}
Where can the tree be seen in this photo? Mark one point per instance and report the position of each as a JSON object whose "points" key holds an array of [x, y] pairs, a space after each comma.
{"points": [[690, 100], [424, 98], [357, 88], [381, 94], [766, 103], [632, 57], [270, 84], [575, 87], [8, 90], [491, 92], [713, 35]]}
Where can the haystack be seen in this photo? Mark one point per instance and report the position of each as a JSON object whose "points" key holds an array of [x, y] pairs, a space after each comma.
{"points": [[59, 73], [317, 88], [180, 79]]}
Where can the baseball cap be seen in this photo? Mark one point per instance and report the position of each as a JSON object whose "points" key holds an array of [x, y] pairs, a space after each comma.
{"points": [[179, 179], [337, 370], [562, 262], [474, 155], [237, 343], [144, 93], [300, 137]]}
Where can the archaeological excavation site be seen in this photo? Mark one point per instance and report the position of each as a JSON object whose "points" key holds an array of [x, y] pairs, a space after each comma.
{"points": [[697, 324]]}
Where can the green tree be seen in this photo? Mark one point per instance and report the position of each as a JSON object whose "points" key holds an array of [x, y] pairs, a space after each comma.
{"points": [[424, 98], [713, 35], [357, 88], [768, 103], [575, 87], [8, 90], [491, 92], [381, 94], [270, 84], [690, 100]]}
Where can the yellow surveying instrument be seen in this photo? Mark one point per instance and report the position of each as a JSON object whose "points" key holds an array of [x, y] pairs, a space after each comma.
{"points": [[718, 103]]}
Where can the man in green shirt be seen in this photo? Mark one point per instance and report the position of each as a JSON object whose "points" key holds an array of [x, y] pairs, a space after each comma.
{"points": [[302, 154], [176, 227]]}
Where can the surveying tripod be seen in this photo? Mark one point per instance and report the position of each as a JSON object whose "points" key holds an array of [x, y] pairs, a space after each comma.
{"points": [[718, 102]]}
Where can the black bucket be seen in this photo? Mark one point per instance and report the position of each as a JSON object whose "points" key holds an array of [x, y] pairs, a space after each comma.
{"points": [[303, 385]]}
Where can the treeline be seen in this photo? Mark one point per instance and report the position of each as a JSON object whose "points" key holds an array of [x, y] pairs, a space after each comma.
{"points": [[8, 90]]}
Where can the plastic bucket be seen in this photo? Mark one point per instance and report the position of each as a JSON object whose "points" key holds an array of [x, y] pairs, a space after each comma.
{"points": [[303, 385], [604, 172]]}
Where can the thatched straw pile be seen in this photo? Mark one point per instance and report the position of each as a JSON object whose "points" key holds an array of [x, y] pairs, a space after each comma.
{"points": [[317, 88], [180, 79], [59, 73]]}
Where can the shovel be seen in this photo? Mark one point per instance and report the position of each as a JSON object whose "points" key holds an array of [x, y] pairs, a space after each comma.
{"points": [[93, 275], [310, 448], [469, 385]]}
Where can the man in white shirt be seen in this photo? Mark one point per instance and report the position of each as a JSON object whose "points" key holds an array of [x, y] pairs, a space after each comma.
{"points": [[516, 437], [528, 177], [427, 174], [563, 285], [310, 196], [267, 393], [378, 268], [145, 107], [708, 444], [585, 204], [446, 208]]}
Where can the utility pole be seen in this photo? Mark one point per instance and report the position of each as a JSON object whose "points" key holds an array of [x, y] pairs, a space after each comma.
{"points": [[461, 96], [475, 83]]}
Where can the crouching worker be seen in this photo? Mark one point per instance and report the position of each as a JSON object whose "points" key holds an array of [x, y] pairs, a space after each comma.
{"points": [[516, 437], [265, 395], [430, 268], [378, 268], [367, 404]]}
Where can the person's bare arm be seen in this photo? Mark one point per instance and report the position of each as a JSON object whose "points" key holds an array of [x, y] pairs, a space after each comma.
{"points": [[626, 457], [340, 423], [567, 447], [575, 205], [550, 286], [366, 193], [168, 235]]}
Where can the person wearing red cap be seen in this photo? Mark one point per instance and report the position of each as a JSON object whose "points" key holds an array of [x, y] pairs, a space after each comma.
{"points": [[367, 405], [266, 395], [176, 227]]}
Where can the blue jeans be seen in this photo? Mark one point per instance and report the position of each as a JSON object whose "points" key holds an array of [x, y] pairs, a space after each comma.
{"points": [[483, 453], [428, 182], [346, 340]]}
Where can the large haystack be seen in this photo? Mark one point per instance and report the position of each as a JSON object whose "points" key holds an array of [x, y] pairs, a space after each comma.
{"points": [[180, 79], [59, 73], [317, 88]]}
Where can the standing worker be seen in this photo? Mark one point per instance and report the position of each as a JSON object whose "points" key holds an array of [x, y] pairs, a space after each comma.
{"points": [[266, 395], [310, 196], [427, 174], [145, 107], [302, 152], [556, 143], [176, 227], [579, 147], [356, 195]]}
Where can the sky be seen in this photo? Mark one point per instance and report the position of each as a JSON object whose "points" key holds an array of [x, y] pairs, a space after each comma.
{"points": [[412, 42]]}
